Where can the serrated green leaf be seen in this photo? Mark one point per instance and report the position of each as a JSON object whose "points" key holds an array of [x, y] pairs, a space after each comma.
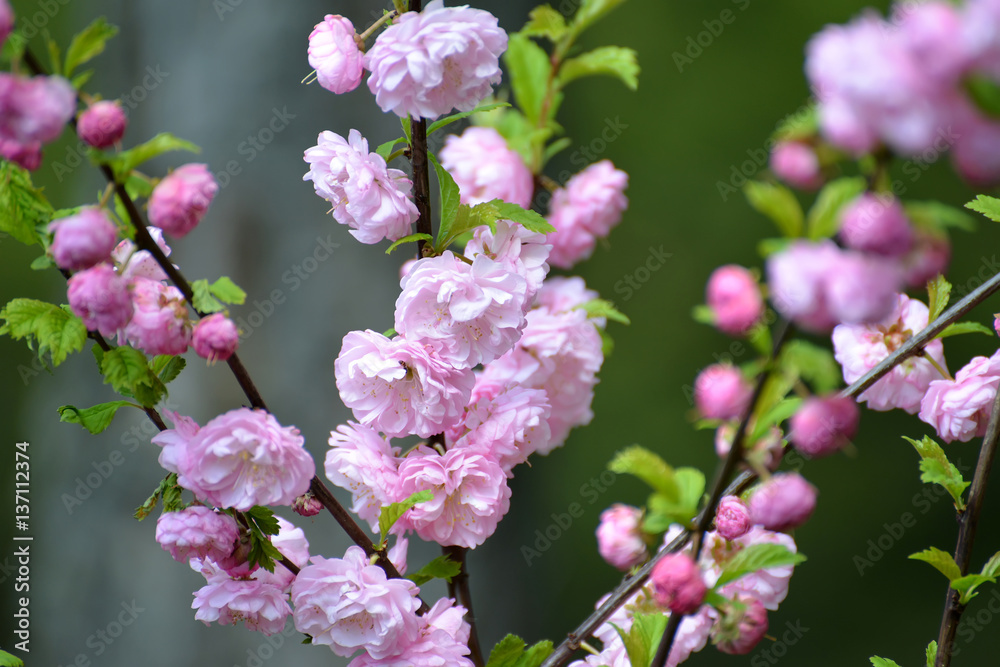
{"points": [[441, 567], [824, 216], [262, 524], [265, 519], [602, 308], [467, 218], [390, 514], [128, 372], [968, 584], [613, 61], [590, 12], [643, 638], [530, 220], [166, 488], [167, 367], [959, 328], [225, 290], [507, 652], [47, 328], [23, 207], [95, 419], [204, 300], [882, 662], [543, 21], [528, 69], [988, 206], [124, 162], [814, 364], [8, 660], [88, 44], [938, 293], [937, 469], [941, 561], [931, 654], [778, 203], [984, 93], [933, 216], [412, 238], [536, 654], [450, 202], [992, 567], [448, 120], [648, 467], [757, 557]]}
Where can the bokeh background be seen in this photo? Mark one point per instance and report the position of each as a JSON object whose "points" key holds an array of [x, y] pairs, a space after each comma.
{"points": [[218, 73]]}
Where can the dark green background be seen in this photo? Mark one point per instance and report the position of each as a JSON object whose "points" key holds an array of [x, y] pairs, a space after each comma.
{"points": [[682, 133]]}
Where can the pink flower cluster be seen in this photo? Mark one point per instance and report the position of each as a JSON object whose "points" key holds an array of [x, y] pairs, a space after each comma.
{"points": [[959, 409], [586, 209], [485, 168], [33, 111]]}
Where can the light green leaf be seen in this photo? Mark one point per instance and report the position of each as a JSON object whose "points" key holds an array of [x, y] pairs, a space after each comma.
{"points": [[931, 654], [703, 315], [778, 203], [441, 567], [968, 584], [41, 263], [506, 652], [937, 469], [985, 94], [225, 290], [607, 61], [124, 162], [691, 483], [9, 660], [390, 514], [167, 367], [95, 419], [824, 216], [88, 44], [590, 12], [545, 22], [528, 68], [555, 148], [168, 490], [784, 409], [603, 308], [938, 293], [407, 129], [467, 219], [54, 59], [385, 150], [988, 206], [757, 557], [815, 364], [80, 80], [448, 120], [942, 561], [643, 637], [959, 328], [883, 662], [128, 372], [768, 247], [525, 217], [798, 126], [204, 300], [450, 202], [411, 238], [23, 208], [648, 467], [992, 567], [47, 328], [936, 217]]}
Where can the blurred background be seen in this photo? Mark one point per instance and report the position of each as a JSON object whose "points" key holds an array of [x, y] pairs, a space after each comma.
{"points": [[219, 74]]}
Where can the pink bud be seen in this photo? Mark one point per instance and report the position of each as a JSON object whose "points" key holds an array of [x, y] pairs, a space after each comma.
{"points": [[823, 426], [741, 628], [784, 502], [996, 323], [677, 583], [878, 224], [307, 504], [335, 55], [732, 518], [102, 125], [83, 240], [721, 392], [181, 199], [619, 540], [100, 297], [863, 288], [6, 20], [28, 156], [215, 338], [796, 163], [237, 564], [734, 297]]}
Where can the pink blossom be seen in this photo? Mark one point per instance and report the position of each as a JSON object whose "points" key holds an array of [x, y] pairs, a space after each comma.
{"points": [[101, 298], [741, 629], [734, 298], [441, 641], [348, 604], [932, 35], [591, 203], [677, 583], [959, 409], [824, 425], [721, 392], [364, 463], [619, 538], [239, 459], [180, 200], [784, 502], [83, 240], [471, 314], [862, 288], [767, 451], [563, 293], [261, 606], [397, 554], [334, 54], [929, 256], [27, 155], [400, 387], [430, 62], [796, 163], [770, 586], [485, 168], [797, 279], [159, 323], [135, 263], [215, 338], [102, 124], [36, 109], [367, 196], [861, 347], [876, 223], [6, 20], [470, 494], [197, 531], [516, 249], [511, 424], [732, 518]]}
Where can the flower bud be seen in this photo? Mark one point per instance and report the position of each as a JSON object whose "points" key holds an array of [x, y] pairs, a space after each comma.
{"points": [[181, 199], [28, 156], [619, 540], [766, 452], [197, 532], [237, 564], [796, 163], [823, 426], [100, 297], [677, 583], [6, 20], [741, 627], [782, 503], [160, 322], [334, 54], [307, 504], [734, 297], [83, 240], [215, 338], [721, 392], [102, 125], [732, 518], [876, 224]]}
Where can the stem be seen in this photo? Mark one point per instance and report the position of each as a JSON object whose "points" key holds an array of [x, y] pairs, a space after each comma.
{"points": [[458, 588], [968, 521], [375, 26], [421, 184]]}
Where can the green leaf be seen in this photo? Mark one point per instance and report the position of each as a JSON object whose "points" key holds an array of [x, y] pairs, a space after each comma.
{"points": [[80, 80], [23, 208], [262, 524], [128, 372], [169, 490], [450, 202], [643, 637], [798, 126], [988, 206], [931, 654], [88, 44], [768, 247], [506, 652], [942, 561], [409, 239], [992, 567], [691, 483], [164, 142], [590, 12], [784, 409], [536, 654], [448, 120], [882, 662], [41, 263], [204, 300], [648, 467], [937, 469], [545, 22], [607, 61], [441, 567], [95, 419], [824, 216], [985, 94], [54, 58], [778, 203], [968, 584], [225, 290], [9, 660], [816, 365], [555, 148], [528, 68], [936, 217], [407, 129], [525, 217], [602, 308], [47, 328], [390, 514], [959, 328], [385, 150], [167, 367], [703, 315], [757, 557], [938, 293]]}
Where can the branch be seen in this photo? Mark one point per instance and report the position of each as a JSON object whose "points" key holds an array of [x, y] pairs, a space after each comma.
{"points": [[458, 588]]}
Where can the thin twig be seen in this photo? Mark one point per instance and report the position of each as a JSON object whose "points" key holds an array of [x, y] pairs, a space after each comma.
{"points": [[458, 588]]}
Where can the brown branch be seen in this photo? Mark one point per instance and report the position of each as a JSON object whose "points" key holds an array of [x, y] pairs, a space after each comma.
{"points": [[458, 588]]}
